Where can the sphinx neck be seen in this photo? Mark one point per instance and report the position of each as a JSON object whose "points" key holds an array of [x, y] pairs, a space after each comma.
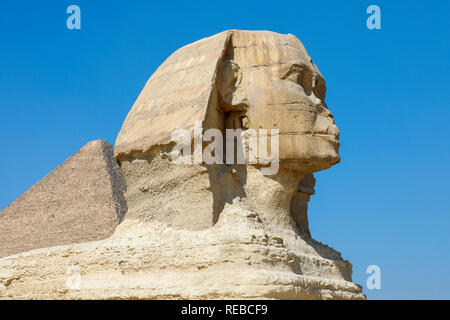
{"points": [[271, 196]]}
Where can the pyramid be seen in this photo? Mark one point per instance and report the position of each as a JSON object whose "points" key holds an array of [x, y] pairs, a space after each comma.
{"points": [[81, 200]]}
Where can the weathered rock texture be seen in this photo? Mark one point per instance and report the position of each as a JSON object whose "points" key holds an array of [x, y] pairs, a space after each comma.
{"points": [[211, 231], [81, 200]]}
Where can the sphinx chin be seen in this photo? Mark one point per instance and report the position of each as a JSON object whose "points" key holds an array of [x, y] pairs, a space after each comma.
{"points": [[310, 153], [311, 165]]}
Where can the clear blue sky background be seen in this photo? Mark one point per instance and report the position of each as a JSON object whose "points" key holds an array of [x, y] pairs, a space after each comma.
{"points": [[387, 203]]}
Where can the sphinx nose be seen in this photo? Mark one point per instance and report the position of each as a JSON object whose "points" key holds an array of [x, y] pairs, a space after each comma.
{"points": [[334, 130], [324, 123]]}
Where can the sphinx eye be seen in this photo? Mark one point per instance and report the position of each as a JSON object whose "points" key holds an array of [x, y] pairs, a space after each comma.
{"points": [[301, 75], [320, 88], [293, 75]]}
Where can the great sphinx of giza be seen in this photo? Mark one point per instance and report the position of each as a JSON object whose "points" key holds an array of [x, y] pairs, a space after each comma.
{"points": [[210, 231]]}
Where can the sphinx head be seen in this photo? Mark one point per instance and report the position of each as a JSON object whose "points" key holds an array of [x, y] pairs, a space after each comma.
{"points": [[268, 81], [238, 79]]}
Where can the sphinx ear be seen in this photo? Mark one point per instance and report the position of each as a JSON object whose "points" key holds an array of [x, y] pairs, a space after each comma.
{"points": [[229, 81]]}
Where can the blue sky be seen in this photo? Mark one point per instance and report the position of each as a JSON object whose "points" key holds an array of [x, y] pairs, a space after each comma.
{"points": [[387, 203]]}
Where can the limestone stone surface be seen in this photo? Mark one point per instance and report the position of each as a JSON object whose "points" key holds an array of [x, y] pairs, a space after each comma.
{"points": [[219, 231], [81, 200], [234, 259]]}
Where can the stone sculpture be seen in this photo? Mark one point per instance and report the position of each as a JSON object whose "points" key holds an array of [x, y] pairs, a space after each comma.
{"points": [[213, 231]]}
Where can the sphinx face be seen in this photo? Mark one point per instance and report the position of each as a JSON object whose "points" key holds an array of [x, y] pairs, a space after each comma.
{"points": [[284, 90]]}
